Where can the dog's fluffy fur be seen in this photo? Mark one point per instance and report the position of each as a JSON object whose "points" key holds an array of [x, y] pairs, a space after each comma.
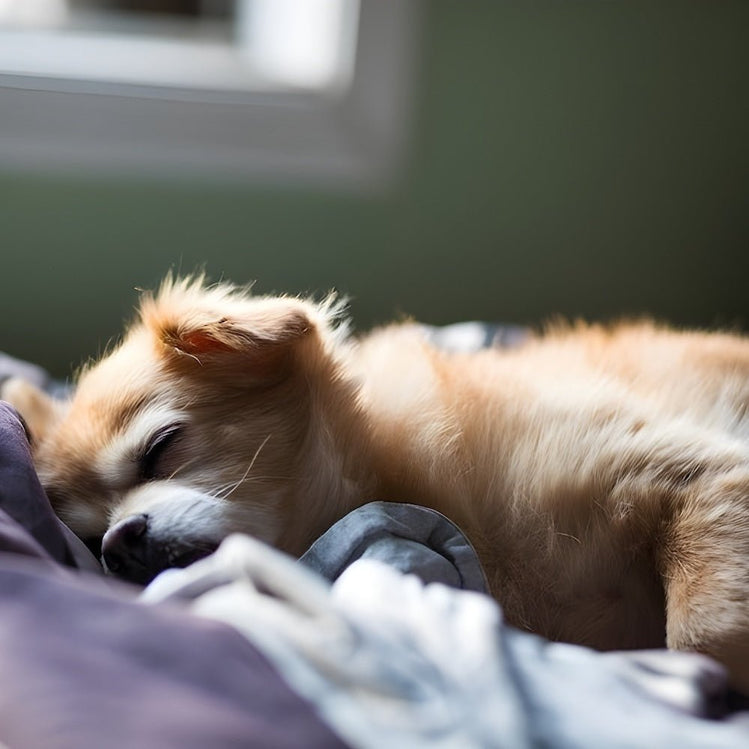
{"points": [[602, 473]]}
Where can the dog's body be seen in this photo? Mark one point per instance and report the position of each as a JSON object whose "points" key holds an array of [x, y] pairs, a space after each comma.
{"points": [[602, 474]]}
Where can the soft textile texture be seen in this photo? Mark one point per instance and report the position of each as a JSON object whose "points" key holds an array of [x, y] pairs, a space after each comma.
{"points": [[471, 336], [407, 537], [86, 666], [23, 499], [12, 367], [391, 662]]}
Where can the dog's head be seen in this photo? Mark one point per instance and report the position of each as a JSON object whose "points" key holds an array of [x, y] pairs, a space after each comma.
{"points": [[196, 425]]}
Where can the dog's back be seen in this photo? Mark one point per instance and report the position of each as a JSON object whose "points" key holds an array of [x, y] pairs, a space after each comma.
{"points": [[583, 465]]}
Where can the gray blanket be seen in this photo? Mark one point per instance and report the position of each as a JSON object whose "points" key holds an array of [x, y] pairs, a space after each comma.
{"points": [[389, 660], [409, 538]]}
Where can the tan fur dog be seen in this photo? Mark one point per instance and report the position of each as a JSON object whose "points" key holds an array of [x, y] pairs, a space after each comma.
{"points": [[602, 474]]}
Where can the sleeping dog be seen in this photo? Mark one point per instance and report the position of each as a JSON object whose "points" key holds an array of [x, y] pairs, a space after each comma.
{"points": [[602, 473]]}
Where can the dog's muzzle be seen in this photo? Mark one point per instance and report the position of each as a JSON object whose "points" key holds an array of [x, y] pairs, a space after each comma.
{"points": [[132, 551]]}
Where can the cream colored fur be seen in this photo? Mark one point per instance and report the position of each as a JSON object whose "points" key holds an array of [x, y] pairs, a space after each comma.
{"points": [[602, 474]]}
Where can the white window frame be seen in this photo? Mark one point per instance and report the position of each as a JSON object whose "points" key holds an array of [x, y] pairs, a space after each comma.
{"points": [[353, 134]]}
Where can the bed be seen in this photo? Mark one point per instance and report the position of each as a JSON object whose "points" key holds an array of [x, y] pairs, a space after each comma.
{"points": [[381, 634]]}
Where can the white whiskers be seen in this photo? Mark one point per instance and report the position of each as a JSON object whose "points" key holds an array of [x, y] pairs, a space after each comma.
{"points": [[226, 491]]}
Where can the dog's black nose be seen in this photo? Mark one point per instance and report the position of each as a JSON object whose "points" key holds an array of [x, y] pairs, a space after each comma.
{"points": [[124, 549], [134, 550]]}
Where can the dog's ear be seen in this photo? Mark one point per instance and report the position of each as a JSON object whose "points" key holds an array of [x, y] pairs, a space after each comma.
{"points": [[222, 329], [264, 325], [38, 410]]}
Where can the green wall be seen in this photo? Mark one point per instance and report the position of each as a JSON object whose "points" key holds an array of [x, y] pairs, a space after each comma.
{"points": [[575, 158]]}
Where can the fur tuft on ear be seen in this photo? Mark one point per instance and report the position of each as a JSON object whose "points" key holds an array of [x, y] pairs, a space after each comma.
{"points": [[210, 322]]}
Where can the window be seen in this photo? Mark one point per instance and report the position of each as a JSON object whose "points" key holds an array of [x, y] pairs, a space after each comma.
{"points": [[281, 88], [214, 44]]}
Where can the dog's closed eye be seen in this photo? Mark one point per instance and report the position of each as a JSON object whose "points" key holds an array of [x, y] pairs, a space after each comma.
{"points": [[149, 463]]}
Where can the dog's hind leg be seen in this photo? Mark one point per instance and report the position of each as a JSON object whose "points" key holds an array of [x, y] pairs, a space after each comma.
{"points": [[705, 568]]}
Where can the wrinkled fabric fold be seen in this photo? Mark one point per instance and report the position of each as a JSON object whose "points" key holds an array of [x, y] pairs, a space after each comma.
{"points": [[391, 661], [407, 537], [23, 499]]}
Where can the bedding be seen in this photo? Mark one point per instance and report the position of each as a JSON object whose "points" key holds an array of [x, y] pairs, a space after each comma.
{"points": [[380, 635], [389, 660], [85, 664]]}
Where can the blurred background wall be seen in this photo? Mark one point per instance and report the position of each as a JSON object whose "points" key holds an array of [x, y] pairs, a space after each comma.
{"points": [[579, 158]]}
